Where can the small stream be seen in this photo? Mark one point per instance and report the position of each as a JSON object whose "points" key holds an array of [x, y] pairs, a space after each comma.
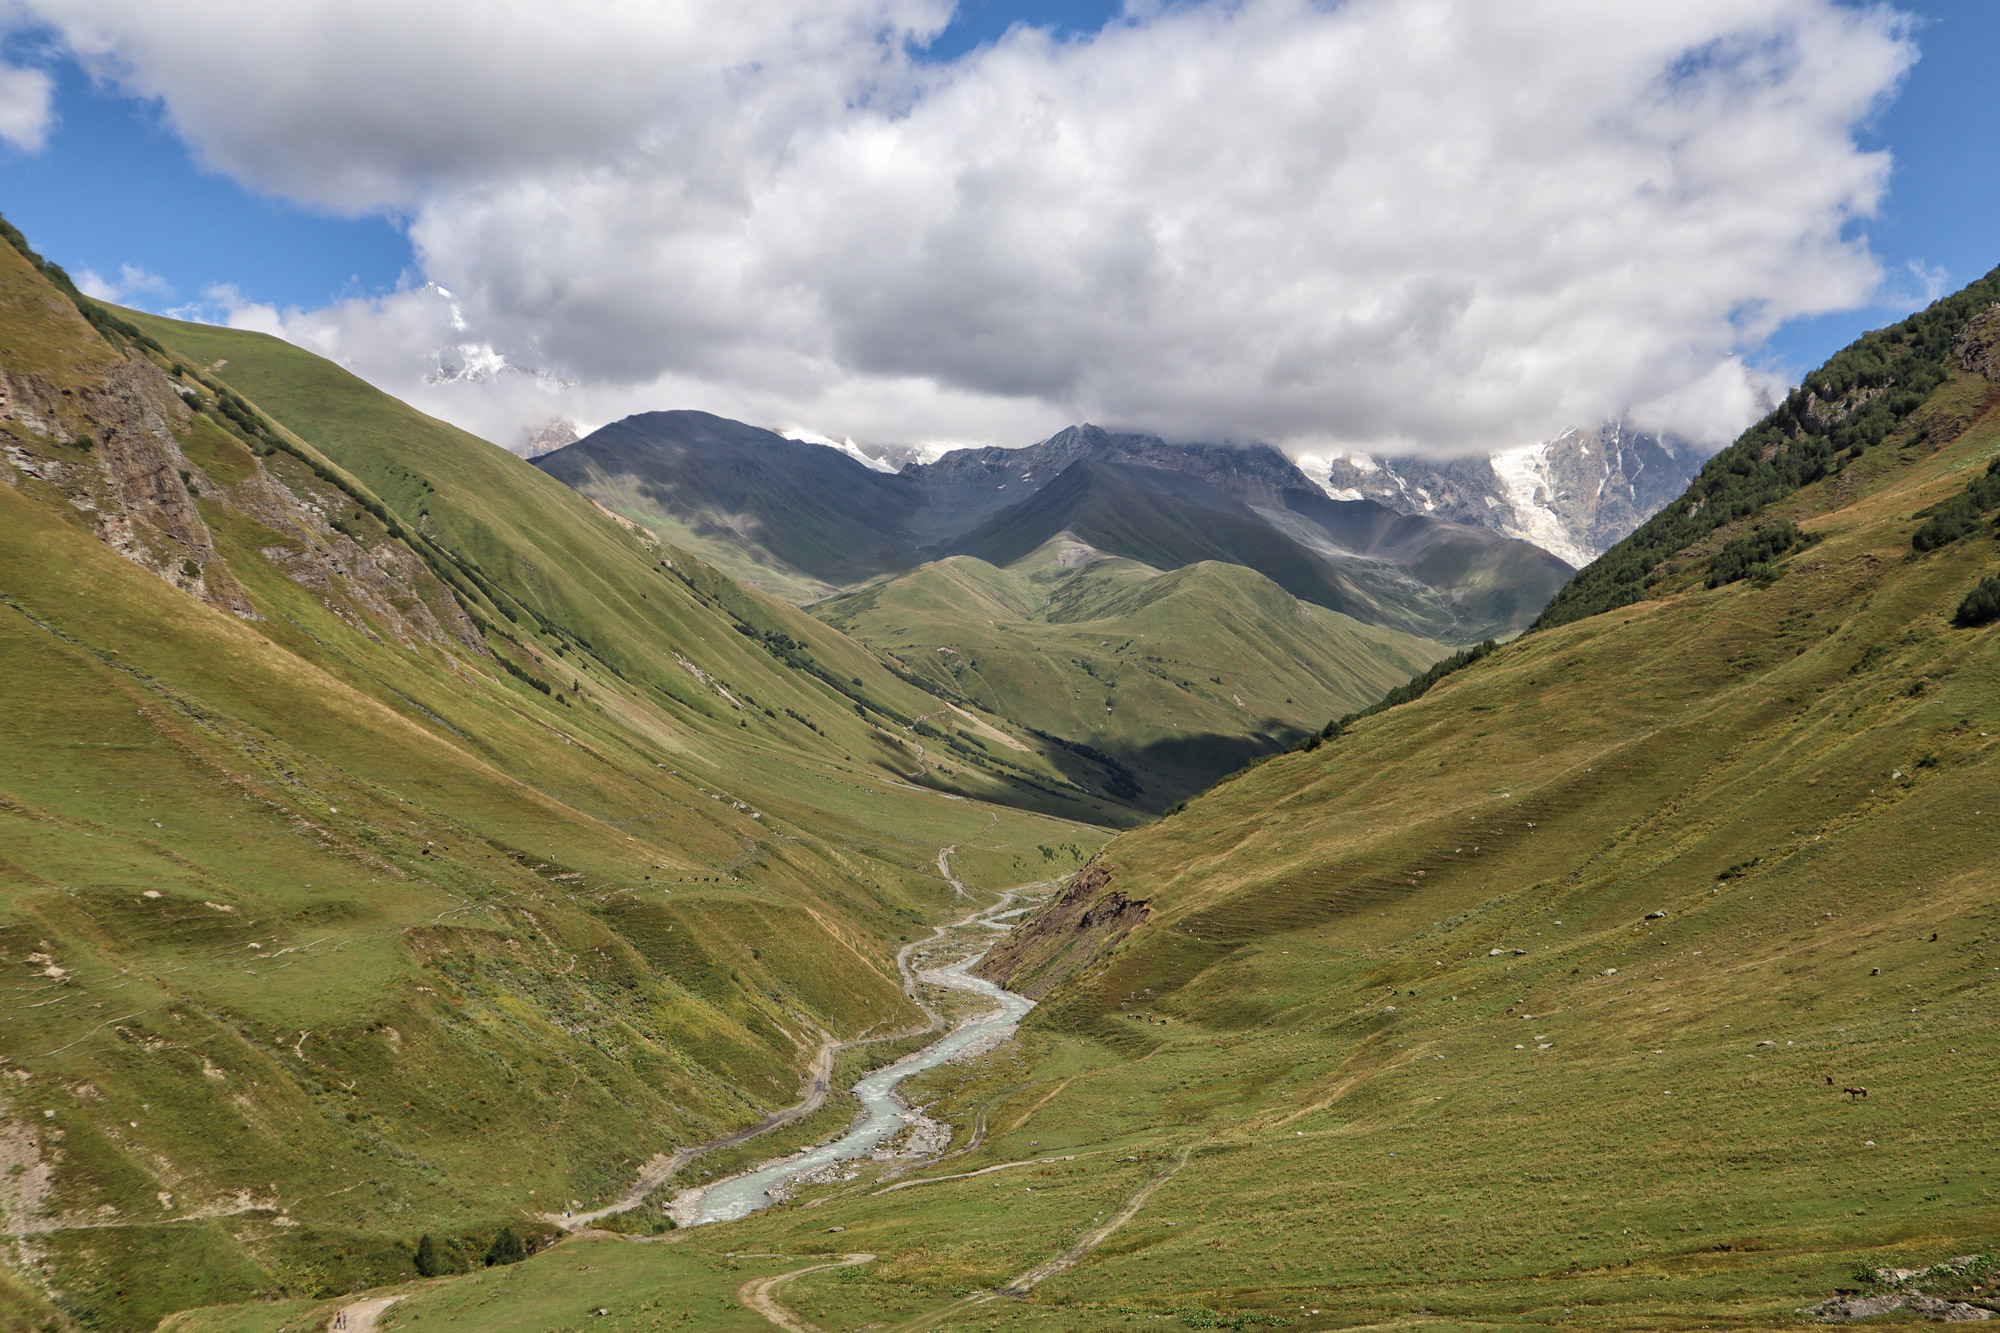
{"points": [[738, 1196]]}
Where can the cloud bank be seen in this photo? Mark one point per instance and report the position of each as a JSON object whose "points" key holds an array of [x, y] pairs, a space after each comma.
{"points": [[1395, 225]]}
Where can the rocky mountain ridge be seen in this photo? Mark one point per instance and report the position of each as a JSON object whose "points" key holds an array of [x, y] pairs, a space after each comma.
{"points": [[1575, 496], [806, 521]]}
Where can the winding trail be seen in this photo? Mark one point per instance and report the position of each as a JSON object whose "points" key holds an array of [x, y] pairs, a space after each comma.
{"points": [[944, 868], [1080, 1251], [759, 1293]]}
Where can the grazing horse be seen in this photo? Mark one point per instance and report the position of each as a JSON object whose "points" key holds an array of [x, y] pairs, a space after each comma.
{"points": [[1855, 1094]]}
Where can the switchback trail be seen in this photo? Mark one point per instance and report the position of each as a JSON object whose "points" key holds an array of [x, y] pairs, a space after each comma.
{"points": [[758, 1293]]}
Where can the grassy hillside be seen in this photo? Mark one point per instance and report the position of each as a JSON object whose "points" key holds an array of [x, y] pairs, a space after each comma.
{"points": [[1532, 1002], [1181, 677], [599, 595], [391, 842]]}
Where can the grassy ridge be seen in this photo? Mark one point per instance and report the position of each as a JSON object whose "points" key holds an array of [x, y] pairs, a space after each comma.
{"points": [[1851, 404], [587, 594], [1179, 677]]}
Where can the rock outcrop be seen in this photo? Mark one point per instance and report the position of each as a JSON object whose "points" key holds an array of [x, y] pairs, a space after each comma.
{"points": [[1087, 919], [122, 443]]}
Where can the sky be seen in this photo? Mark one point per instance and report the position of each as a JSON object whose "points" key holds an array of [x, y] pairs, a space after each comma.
{"points": [[1437, 226]]}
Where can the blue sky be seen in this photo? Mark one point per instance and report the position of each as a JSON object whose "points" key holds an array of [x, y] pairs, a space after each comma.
{"points": [[115, 191]]}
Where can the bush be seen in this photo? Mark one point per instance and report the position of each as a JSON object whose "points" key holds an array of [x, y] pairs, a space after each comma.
{"points": [[507, 1248], [430, 1260], [1413, 689], [1959, 516], [1981, 606]]}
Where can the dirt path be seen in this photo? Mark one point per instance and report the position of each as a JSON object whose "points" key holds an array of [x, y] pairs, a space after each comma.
{"points": [[360, 1317], [1080, 1251], [758, 1293], [984, 1170], [944, 869], [1068, 1259]]}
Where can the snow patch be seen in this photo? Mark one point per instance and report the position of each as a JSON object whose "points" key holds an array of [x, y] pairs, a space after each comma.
{"points": [[1527, 482], [844, 446]]}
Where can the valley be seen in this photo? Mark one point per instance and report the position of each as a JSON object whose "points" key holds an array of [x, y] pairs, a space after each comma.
{"points": [[1182, 677], [403, 852], [389, 836], [1533, 1002]]}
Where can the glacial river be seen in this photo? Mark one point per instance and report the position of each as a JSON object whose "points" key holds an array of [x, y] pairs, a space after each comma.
{"points": [[738, 1196]]}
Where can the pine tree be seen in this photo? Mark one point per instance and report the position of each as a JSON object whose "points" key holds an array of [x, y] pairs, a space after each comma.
{"points": [[430, 1263]]}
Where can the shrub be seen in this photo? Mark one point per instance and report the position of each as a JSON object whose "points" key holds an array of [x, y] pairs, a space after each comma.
{"points": [[507, 1248], [430, 1260], [1414, 688], [1981, 606], [1959, 516]]}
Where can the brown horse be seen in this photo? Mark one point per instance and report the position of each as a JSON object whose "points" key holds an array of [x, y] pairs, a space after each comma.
{"points": [[1855, 1094]]}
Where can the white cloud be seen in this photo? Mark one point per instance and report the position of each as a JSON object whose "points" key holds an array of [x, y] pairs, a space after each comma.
{"points": [[1433, 225], [26, 107], [131, 282]]}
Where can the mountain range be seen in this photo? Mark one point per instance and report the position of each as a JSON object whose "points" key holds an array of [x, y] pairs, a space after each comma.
{"points": [[806, 521], [1176, 609]]}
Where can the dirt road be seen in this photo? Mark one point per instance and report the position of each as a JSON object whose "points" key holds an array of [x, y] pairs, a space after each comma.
{"points": [[759, 1293], [360, 1317]]}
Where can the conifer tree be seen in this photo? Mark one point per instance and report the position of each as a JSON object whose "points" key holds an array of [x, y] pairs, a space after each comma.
{"points": [[506, 1248]]}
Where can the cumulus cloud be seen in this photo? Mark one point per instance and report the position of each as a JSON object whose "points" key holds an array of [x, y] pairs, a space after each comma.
{"points": [[26, 111], [132, 282], [1396, 225]]}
